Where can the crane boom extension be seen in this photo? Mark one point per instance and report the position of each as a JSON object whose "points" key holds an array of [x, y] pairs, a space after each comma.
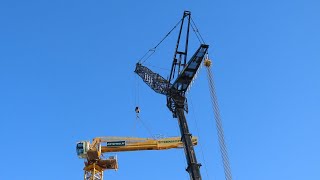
{"points": [[153, 80]]}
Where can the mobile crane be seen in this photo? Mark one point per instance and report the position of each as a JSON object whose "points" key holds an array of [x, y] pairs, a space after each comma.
{"points": [[178, 84], [175, 88], [96, 163]]}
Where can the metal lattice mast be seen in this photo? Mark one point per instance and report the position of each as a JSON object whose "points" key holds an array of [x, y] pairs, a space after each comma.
{"points": [[93, 172]]}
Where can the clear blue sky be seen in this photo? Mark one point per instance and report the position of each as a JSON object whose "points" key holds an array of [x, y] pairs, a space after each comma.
{"points": [[66, 74]]}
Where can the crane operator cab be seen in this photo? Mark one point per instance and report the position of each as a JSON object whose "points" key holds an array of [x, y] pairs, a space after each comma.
{"points": [[84, 151], [92, 156], [82, 148]]}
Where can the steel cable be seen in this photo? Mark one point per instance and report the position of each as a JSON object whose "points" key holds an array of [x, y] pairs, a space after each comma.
{"points": [[151, 51], [197, 32], [222, 144], [198, 132]]}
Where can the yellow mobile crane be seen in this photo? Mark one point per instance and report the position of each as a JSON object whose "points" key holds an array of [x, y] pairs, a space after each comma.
{"points": [[96, 163]]}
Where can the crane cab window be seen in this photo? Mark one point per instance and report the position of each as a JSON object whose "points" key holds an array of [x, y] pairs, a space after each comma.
{"points": [[79, 149]]}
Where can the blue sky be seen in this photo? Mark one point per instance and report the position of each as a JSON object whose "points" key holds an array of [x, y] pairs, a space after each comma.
{"points": [[66, 74]]}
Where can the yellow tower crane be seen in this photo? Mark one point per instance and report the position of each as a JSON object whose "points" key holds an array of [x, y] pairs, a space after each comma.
{"points": [[96, 163]]}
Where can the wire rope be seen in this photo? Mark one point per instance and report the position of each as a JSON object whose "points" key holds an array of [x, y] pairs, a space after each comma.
{"points": [[137, 105], [222, 144], [197, 32], [151, 51], [198, 132], [138, 118]]}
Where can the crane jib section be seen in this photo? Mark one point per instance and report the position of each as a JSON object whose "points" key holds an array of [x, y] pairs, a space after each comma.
{"points": [[187, 75], [153, 80], [117, 144], [149, 144]]}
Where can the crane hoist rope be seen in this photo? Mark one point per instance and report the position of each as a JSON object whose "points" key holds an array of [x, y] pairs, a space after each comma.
{"points": [[137, 109], [148, 129], [215, 106], [198, 134]]}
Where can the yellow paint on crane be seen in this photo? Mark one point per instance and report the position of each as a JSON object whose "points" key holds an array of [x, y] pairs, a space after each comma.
{"points": [[96, 163]]}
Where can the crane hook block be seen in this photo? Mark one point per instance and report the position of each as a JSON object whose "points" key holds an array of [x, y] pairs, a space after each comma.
{"points": [[207, 62], [137, 110]]}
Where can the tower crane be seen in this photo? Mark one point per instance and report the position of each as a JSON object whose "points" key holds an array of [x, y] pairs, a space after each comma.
{"points": [[181, 76], [96, 163]]}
